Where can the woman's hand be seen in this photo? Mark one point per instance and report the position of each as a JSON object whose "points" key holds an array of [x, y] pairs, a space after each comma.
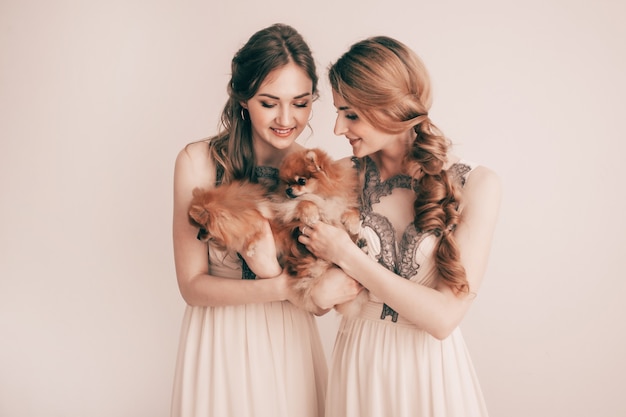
{"points": [[263, 262], [299, 298], [325, 241], [335, 287]]}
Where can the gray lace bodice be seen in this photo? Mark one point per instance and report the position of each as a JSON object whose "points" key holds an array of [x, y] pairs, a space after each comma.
{"points": [[388, 227]]}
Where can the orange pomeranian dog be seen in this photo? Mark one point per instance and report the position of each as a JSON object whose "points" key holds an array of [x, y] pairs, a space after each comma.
{"points": [[313, 187], [231, 216], [317, 188]]}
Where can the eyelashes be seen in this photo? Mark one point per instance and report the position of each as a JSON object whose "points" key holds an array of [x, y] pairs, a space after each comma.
{"points": [[272, 105], [347, 114]]}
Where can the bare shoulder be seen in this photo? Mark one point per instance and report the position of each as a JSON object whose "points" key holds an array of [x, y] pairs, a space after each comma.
{"points": [[195, 153], [483, 187], [484, 177], [194, 165]]}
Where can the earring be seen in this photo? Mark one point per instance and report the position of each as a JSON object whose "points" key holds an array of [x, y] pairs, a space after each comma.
{"points": [[243, 115]]}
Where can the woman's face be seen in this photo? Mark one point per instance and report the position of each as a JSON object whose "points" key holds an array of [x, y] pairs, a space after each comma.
{"points": [[280, 109], [364, 138]]}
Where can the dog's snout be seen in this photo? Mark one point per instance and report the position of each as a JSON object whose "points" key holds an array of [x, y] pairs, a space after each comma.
{"points": [[290, 192]]}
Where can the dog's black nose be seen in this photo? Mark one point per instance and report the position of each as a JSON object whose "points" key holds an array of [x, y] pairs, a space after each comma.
{"points": [[290, 193]]}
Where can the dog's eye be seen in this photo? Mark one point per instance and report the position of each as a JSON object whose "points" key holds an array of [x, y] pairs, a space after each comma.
{"points": [[301, 181]]}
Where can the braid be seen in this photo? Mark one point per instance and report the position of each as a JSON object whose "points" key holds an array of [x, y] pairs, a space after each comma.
{"points": [[390, 88], [437, 202]]}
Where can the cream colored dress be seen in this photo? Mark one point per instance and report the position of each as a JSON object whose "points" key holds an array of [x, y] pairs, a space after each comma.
{"points": [[253, 360], [383, 365]]}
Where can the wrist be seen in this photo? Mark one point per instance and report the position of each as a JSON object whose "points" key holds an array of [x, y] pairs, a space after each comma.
{"points": [[349, 257], [271, 275], [282, 287]]}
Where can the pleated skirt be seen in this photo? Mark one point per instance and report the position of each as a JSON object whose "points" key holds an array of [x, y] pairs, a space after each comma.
{"points": [[261, 360], [380, 368]]}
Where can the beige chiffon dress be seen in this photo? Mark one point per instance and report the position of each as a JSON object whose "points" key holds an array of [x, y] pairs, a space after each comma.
{"points": [[252, 360], [382, 365]]}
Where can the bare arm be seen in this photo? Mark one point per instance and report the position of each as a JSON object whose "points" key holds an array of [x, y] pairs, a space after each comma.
{"points": [[335, 287], [195, 169], [435, 310]]}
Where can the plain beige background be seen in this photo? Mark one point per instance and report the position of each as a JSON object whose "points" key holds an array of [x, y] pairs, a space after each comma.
{"points": [[97, 98]]}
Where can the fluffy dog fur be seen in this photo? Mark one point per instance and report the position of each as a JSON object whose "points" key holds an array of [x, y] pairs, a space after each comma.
{"points": [[313, 187], [232, 215], [318, 189]]}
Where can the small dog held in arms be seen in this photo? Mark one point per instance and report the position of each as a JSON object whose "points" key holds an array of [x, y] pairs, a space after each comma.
{"points": [[232, 215], [313, 187]]}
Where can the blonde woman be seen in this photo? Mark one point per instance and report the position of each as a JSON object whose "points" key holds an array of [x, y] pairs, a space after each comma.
{"points": [[428, 219]]}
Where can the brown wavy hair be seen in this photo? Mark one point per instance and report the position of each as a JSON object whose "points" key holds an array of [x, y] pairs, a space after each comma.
{"points": [[266, 50], [389, 87]]}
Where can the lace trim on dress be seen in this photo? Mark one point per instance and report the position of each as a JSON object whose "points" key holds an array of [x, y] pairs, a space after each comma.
{"points": [[246, 272], [460, 171], [374, 188], [397, 257], [268, 176]]}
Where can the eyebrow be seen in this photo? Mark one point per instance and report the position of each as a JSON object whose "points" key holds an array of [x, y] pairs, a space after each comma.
{"points": [[343, 108], [278, 98]]}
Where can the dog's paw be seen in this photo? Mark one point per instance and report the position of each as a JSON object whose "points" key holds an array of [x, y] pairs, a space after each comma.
{"points": [[250, 251], [308, 212], [351, 220]]}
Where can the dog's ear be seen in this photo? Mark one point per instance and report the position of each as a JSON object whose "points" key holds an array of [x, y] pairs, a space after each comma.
{"points": [[198, 214], [313, 162], [197, 193], [209, 217]]}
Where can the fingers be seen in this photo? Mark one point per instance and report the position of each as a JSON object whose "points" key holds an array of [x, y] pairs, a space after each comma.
{"points": [[306, 230]]}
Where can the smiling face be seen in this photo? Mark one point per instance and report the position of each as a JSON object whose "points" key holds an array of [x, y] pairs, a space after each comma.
{"points": [[364, 138], [280, 109]]}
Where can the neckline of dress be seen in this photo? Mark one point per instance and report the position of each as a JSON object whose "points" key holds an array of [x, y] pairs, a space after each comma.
{"points": [[265, 171], [369, 161], [379, 179]]}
